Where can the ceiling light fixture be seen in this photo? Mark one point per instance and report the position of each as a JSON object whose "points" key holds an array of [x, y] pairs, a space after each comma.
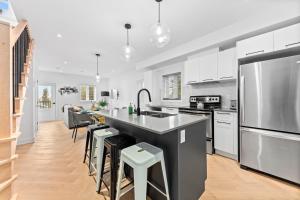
{"points": [[97, 75], [59, 35], [160, 34], [127, 50]]}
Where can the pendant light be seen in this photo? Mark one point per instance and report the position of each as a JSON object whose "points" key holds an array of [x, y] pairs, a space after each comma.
{"points": [[127, 50], [160, 33], [97, 75]]}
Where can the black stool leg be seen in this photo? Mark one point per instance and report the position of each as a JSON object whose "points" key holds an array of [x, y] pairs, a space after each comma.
{"points": [[75, 135], [114, 172], [90, 152], [102, 171], [86, 145], [73, 132]]}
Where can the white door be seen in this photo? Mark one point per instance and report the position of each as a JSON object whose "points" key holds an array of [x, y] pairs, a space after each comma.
{"points": [[46, 102]]}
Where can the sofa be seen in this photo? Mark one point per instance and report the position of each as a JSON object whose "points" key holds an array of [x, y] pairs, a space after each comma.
{"points": [[68, 111]]}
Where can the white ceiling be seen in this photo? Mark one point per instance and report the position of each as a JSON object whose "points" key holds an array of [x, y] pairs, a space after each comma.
{"points": [[97, 26]]}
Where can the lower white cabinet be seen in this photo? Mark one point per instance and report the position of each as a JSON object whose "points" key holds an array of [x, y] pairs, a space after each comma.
{"points": [[225, 133]]}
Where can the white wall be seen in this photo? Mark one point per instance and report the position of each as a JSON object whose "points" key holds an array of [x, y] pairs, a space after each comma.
{"points": [[28, 125], [127, 85], [62, 80]]}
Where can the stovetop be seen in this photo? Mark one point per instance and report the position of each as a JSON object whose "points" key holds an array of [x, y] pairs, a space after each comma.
{"points": [[195, 109]]}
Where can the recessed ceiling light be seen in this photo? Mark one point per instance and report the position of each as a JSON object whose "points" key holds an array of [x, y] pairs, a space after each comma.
{"points": [[59, 35], [65, 62], [298, 62]]}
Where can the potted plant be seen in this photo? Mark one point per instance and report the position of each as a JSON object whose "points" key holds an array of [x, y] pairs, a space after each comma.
{"points": [[102, 104]]}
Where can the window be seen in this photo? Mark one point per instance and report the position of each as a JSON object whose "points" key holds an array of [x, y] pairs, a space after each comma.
{"points": [[172, 86], [87, 93]]}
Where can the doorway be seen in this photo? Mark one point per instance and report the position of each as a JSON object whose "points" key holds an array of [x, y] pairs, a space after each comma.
{"points": [[46, 102]]}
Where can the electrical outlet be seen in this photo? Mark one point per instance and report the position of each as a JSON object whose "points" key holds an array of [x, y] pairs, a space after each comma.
{"points": [[182, 136]]}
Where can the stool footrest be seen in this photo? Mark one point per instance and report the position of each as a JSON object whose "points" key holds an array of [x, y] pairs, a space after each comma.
{"points": [[126, 189], [159, 190]]}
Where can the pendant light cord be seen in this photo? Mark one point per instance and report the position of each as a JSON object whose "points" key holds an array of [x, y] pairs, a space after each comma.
{"points": [[127, 37], [159, 12], [97, 65]]}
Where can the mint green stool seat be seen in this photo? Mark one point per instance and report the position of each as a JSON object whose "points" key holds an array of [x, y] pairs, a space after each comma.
{"points": [[140, 157]]}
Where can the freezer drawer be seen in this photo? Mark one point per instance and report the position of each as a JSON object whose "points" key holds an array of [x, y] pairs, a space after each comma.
{"points": [[275, 153]]}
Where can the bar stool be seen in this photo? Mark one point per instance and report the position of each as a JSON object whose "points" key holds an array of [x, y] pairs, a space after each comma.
{"points": [[89, 140], [140, 157], [78, 123], [114, 145], [98, 141]]}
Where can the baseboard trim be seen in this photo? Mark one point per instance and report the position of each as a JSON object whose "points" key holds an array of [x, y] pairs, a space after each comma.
{"points": [[26, 141], [225, 154]]}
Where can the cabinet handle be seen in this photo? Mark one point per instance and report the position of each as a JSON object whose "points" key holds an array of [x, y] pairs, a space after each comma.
{"points": [[224, 113], [251, 53], [292, 44], [226, 77], [209, 79], [223, 122]]}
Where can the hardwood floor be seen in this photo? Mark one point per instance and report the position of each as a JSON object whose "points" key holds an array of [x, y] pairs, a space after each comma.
{"points": [[52, 169]]}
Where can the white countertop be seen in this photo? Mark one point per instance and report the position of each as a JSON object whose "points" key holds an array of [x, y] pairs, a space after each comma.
{"points": [[153, 124]]}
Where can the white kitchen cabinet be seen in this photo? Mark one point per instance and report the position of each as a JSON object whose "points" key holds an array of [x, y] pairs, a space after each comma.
{"points": [[287, 37], [227, 64], [260, 44], [208, 70], [225, 133], [191, 71]]}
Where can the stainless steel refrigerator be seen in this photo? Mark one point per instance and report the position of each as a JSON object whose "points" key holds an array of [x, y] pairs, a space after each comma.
{"points": [[270, 116]]}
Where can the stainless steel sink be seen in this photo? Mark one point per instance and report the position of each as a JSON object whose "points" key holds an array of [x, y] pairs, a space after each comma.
{"points": [[157, 114]]}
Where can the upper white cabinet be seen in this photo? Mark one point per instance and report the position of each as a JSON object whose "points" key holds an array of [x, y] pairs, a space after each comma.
{"points": [[287, 37], [191, 71], [227, 64], [256, 45], [208, 70]]}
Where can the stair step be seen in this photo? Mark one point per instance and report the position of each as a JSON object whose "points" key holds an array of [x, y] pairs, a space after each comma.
{"points": [[9, 139], [17, 115], [3, 162], [7, 183]]}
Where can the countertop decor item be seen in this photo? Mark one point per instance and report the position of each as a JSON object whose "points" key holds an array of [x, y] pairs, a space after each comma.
{"points": [[68, 90], [127, 50], [160, 33], [102, 103]]}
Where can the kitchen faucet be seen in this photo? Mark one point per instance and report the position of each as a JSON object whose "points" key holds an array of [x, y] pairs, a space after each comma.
{"points": [[138, 110]]}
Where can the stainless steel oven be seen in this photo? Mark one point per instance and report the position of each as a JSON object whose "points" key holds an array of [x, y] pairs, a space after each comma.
{"points": [[204, 105]]}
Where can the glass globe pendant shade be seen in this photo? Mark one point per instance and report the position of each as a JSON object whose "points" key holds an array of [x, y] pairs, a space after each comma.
{"points": [[128, 52], [98, 78], [160, 35]]}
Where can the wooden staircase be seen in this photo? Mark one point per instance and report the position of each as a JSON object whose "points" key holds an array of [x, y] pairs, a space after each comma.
{"points": [[15, 62]]}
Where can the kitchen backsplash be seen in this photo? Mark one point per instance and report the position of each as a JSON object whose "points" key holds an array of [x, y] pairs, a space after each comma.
{"points": [[228, 91]]}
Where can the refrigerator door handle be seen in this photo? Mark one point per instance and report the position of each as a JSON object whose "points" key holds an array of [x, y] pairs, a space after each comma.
{"points": [[242, 97], [273, 134]]}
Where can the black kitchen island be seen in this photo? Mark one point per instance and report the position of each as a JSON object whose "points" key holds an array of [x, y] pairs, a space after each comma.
{"points": [[183, 140]]}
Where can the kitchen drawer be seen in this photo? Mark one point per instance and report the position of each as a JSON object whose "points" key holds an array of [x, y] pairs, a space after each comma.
{"points": [[224, 116]]}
